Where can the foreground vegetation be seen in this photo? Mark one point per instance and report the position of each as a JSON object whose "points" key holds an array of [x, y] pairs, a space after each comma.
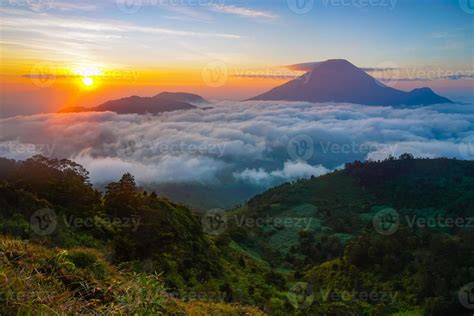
{"points": [[306, 248], [40, 280]]}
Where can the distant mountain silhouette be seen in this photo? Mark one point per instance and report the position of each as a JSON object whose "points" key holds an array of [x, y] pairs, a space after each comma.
{"points": [[163, 102], [337, 80], [181, 97]]}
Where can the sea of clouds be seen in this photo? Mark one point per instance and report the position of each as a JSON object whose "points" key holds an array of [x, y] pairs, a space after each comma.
{"points": [[262, 143]]}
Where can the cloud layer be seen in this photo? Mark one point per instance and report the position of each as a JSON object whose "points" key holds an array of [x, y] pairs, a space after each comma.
{"points": [[260, 143]]}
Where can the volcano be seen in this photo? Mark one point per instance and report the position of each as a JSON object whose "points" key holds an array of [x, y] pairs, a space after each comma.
{"points": [[337, 80]]}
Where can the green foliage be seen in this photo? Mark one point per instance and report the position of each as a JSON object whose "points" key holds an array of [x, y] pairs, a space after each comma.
{"points": [[41, 281], [140, 248], [142, 294], [89, 260]]}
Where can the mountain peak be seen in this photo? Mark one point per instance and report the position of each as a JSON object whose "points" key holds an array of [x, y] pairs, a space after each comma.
{"points": [[338, 80], [423, 89], [180, 97], [337, 62], [163, 102]]}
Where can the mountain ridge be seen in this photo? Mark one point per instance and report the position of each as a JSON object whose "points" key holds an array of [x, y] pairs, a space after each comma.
{"points": [[163, 102], [338, 80]]}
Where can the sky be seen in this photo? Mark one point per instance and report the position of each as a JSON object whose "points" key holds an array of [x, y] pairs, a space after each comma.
{"points": [[59, 53]]}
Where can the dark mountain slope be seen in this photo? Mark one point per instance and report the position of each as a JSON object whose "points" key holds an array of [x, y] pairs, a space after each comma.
{"points": [[343, 203], [181, 97], [339, 235], [338, 80], [163, 102]]}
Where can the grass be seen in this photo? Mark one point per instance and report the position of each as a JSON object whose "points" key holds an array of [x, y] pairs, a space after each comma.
{"points": [[44, 281]]}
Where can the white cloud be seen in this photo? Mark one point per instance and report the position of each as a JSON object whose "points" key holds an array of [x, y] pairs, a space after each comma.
{"points": [[291, 170], [169, 169], [19, 20], [239, 141], [298, 170], [51, 5], [241, 11]]}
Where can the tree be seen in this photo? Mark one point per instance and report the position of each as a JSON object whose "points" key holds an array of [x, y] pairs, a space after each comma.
{"points": [[407, 156], [122, 198]]}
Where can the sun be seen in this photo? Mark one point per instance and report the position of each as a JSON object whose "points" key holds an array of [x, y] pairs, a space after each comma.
{"points": [[87, 76], [88, 81]]}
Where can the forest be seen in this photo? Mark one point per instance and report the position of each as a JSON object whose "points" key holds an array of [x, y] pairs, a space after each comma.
{"points": [[66, 247]]}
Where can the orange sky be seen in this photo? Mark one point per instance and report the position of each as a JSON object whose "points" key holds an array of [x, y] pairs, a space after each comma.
{"points": [[44, 88], [225, 52], [50, 89]]}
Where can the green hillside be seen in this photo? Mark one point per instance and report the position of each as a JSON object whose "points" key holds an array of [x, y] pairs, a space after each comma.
{"points": [[377, 238], [322, 230]]}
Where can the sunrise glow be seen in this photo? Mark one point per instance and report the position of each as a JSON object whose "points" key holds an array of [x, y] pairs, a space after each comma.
{"points": [[83, 53], [87, 81]]}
